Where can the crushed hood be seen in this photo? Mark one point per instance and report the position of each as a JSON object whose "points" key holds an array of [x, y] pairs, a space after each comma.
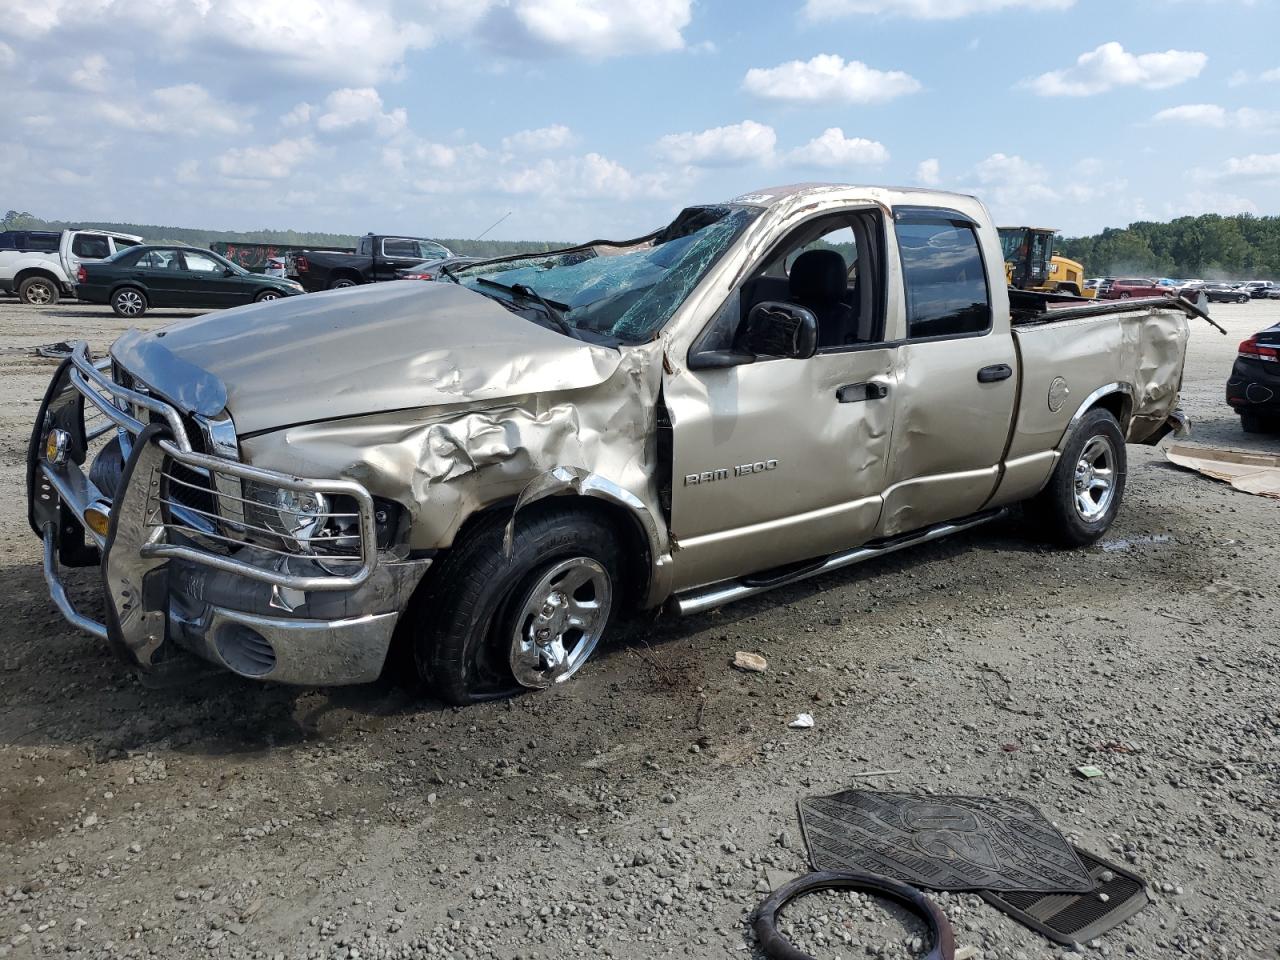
{"points": [[387, 346]]}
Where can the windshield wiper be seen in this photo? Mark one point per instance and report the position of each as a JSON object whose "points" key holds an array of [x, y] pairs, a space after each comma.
{"points": [[552, 309], [448, 272]]}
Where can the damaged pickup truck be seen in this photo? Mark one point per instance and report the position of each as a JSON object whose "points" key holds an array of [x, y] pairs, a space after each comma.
{"points": [[488, 471]]}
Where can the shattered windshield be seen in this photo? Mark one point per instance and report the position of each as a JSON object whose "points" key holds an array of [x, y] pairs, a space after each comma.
{"points": [[618, 291]]}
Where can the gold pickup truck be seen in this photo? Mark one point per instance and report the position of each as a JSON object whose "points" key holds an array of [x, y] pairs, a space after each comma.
{"points": [[490, 468]]}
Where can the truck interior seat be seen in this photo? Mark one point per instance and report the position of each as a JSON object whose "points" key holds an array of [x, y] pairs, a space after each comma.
{"points": [[819, 280]]}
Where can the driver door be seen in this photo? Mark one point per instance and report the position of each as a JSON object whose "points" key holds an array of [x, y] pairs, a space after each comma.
{"points": [[783, 460]]}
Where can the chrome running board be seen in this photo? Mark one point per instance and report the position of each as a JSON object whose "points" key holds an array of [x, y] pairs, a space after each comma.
{"points": [[701, 599]]}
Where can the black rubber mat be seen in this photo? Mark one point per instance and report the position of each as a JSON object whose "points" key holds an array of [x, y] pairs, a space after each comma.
{"points": [[942, 842], [1070, 918]]}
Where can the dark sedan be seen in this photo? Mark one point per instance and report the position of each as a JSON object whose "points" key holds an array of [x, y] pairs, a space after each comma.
{"points": [[1217, 292], [153, 276], [1254, 387]]}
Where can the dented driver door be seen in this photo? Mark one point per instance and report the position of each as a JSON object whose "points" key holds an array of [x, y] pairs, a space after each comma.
{"points": [[776, 461]]}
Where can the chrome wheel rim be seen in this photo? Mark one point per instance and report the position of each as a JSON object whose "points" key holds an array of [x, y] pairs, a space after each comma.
{"points": [[1095, 479], [269, 296], [129, 302], [39, 293], [559, 622]]}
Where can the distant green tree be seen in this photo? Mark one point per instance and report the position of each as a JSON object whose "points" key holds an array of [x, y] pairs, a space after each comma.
{"points": [[13, 220], [1238, 247]]}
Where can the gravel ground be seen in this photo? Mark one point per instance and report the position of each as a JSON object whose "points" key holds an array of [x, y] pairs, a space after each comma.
{"points": [[646, 808]]}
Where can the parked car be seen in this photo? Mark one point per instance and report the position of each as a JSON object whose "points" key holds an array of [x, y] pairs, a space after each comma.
{"points": [[1126, 289], [139, 278], [376, 258], [1257, 289], [435, 269], [1222, 293], [494, 469], [36, 241], [1273, 293], [1253, 388], [40, 277], [277, 267]]}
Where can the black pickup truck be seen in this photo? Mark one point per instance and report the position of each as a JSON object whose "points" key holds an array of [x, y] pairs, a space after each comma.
{"points": [[376, 258]]}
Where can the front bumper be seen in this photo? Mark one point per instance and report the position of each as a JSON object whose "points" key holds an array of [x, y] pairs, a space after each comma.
{"points": [[259, 612]]}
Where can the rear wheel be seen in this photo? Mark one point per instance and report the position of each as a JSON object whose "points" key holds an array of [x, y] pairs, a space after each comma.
{"points": [[38, 291], [489, 624], [341, 282], [129, 302], [1084, 494]]}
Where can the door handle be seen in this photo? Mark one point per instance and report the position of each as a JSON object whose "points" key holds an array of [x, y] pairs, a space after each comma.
{"points": [[995, 373], [857, 392]]}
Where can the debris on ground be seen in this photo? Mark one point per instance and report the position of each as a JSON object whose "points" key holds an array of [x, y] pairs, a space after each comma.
{"points": [[803, 721], [1089, 772], [750, 662], [1246, 471]]}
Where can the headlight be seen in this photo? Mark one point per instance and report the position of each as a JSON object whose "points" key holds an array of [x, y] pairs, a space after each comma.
{"points": [[302, 515]]}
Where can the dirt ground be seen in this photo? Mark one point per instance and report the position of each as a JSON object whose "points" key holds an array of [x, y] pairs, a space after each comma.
{"points": [[645, 809]]}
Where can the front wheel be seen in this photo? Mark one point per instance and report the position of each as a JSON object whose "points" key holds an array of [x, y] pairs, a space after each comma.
{"points": [[266, 295], [1084, 493], [1242, 299], [129, 302], [489, 623], [38, 291]]}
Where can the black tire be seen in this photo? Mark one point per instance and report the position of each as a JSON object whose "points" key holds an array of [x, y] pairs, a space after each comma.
{"points": [[462, 620], [267, 295], [129, 302], [1253, 422], [1056, 510], [1242, 299], [341, 283], [38, 291]]}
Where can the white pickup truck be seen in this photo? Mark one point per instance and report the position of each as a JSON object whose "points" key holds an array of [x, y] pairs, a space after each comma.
{"points": [[40, 277]]}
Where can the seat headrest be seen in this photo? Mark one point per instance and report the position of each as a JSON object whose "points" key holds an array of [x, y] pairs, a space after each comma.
{"points": [[819, 276]]}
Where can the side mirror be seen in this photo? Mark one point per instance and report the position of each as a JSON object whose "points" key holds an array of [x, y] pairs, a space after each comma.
{"points": [[228, 272], [778, 329]]}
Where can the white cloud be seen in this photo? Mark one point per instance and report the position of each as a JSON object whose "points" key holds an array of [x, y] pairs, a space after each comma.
{"points": [[358, 111], [827, 78], [187, 109], [1013, 181], [1255, 166], [7, 57], [273, 162], [1200, 202], [542, 140], [590, 177], [729, 146], [298, 116], [929, 172], [352, 41], [922, 9], [1212, 115], [1110, 66], [833, 149], [91, 75], [590, 28]]}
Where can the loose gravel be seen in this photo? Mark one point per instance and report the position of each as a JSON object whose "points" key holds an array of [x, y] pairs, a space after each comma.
{"points": [[645, 809]]}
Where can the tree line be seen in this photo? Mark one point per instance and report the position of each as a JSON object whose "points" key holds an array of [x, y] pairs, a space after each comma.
{"points": [[153, 233], [1209, 247]]}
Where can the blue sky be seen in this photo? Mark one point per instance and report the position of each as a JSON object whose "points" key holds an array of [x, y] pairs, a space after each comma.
{"points": [[602, 117]]}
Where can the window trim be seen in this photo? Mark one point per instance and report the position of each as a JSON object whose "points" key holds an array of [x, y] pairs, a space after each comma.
{"points": [[941, 216], [698, 347], [396, 256]]}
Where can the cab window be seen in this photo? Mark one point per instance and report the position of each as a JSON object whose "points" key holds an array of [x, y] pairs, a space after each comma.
{"points": [[90, 246], [944, 276]]}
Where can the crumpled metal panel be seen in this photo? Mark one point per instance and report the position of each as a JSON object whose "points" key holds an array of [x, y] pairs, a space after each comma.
{"points": [[385, 346], [445, 463], [1142, 350]]}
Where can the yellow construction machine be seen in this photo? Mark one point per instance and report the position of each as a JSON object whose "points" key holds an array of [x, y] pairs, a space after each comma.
{"points": [[1029, 263]]}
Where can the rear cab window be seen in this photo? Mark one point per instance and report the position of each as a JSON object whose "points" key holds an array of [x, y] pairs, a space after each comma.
{"points": [[944, 275], [91, 246]]}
